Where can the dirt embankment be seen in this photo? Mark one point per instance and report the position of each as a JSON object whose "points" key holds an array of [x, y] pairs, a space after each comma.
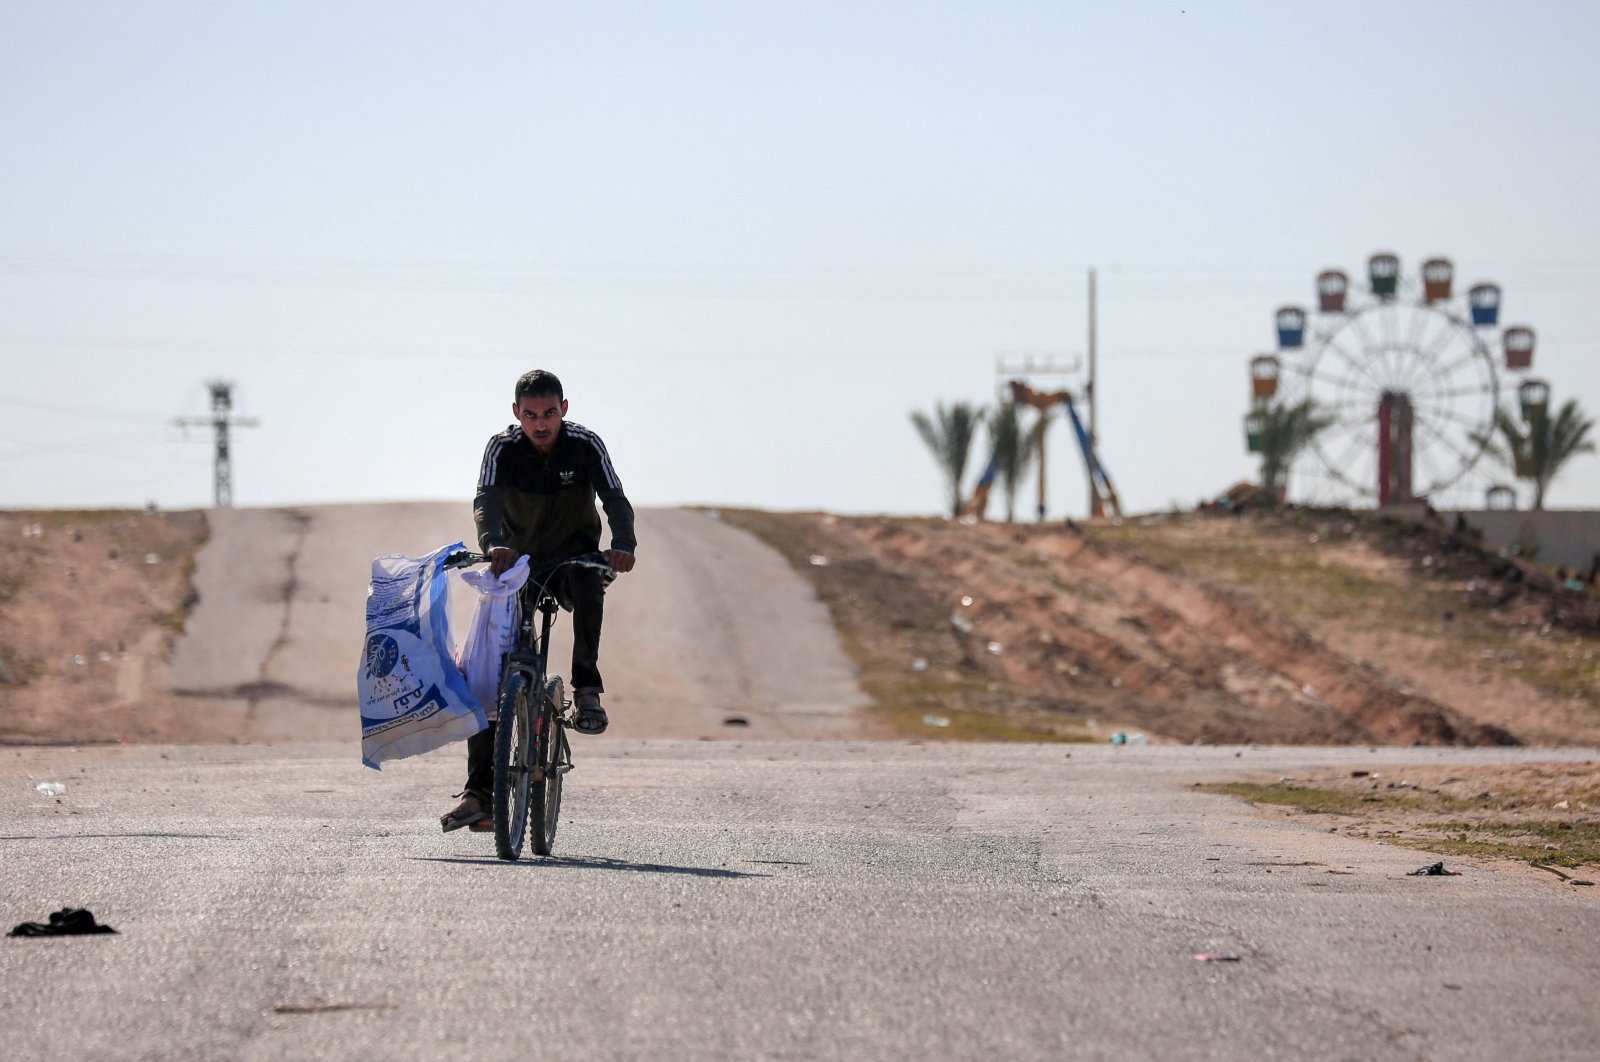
{"points": [[90, 603], [1299, 627]]}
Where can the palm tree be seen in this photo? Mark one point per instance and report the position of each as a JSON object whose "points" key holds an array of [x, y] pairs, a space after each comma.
{"points": [[1285, 431], [1012, 450], [949, 435], [1540, 452]]}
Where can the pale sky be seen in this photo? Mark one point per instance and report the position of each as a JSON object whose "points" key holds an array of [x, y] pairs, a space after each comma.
{"points": [[751, 238]]}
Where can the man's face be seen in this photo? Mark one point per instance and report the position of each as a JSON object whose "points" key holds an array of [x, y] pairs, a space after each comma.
{"points": [[540, 417]]}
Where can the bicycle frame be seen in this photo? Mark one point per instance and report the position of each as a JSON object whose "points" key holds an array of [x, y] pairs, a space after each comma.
{"points": [[531, 657], [532, 653], [531, 752]]}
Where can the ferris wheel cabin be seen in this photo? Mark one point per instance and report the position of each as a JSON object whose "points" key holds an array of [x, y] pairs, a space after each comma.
{"points": [[1533, 397], [1383, 273], [1485, 302], [1264, 372], [1291, 321], [1519, 347], [1332, 284], [1437, 276]]}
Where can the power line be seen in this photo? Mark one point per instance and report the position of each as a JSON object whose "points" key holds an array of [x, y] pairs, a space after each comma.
{"points": [[84, 411]]}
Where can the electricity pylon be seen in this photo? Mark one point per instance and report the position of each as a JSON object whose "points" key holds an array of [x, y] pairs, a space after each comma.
{"points": [[220, 420]]}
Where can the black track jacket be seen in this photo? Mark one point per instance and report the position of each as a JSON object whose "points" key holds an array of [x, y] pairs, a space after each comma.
{"points": [[544, 505]]}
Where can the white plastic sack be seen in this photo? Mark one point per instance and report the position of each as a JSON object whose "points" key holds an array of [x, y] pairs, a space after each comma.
{"points": [[413, 697], [493, 632]]}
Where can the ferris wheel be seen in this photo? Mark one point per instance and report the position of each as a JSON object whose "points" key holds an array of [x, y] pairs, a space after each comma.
{"points": [[1406, 373]]}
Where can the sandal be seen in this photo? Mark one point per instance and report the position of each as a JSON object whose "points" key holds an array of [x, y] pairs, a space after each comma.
{"points": [[470, 812], [591, 717]]}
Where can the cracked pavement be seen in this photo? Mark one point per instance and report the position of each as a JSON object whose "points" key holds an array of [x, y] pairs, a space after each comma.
{"points": [[766, 899]]}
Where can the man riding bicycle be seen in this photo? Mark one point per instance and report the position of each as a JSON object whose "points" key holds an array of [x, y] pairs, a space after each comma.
{"points": [[536, 496]]}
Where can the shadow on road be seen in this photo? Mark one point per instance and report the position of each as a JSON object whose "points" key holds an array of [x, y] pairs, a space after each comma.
{"points": [[596, 863], [111, 836]]}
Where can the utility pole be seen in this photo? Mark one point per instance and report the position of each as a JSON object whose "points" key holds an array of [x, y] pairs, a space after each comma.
{"points": [[1094, 431], [221, 419]]}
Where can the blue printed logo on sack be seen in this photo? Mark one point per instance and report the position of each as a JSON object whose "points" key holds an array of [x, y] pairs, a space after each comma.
{"points": [[382, 654]]}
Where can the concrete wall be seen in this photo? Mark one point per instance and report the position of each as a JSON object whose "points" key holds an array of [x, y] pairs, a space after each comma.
{"points": [[1566, 537]]}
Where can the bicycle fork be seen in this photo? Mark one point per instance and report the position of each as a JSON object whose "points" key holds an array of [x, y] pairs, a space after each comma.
{"points": [[549, 728]]}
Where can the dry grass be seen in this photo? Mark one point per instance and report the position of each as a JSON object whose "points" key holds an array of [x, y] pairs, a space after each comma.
{"points": [[1536, 813]]}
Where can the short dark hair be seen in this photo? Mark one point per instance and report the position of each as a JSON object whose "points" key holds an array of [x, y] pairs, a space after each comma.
{"points": [[538, 384]]}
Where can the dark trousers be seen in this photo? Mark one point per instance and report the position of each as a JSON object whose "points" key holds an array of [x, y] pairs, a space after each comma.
{"points": [[583, 590]]}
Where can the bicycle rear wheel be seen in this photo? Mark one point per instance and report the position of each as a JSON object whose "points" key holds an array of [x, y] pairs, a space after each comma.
{"points": [[513, 754], [553, 758]]}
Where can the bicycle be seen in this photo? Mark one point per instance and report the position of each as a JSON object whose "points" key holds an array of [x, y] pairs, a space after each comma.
{"points": [[531, 754]]}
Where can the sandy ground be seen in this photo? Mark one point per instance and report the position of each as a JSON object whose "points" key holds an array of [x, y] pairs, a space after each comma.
{"points": [[1297, 628], [90, 603]]}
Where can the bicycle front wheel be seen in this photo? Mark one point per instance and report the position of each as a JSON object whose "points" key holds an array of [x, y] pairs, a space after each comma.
{"points": [[513, 756], [553, 759]]}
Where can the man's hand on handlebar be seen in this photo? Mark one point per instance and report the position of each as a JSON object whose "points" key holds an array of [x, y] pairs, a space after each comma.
{"points": [[502, 558]]}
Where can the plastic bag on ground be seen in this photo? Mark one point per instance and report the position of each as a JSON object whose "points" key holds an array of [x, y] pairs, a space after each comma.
{"points": [[493, 631], [413, 696]]}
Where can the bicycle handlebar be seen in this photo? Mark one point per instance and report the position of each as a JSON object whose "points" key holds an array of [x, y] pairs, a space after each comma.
{"points": [[466, 559]]}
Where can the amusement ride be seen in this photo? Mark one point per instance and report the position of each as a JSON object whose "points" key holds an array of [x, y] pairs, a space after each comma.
{"points": [[1406, 371]]}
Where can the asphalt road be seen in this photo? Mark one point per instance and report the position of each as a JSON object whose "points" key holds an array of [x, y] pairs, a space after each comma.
{"points": [[772, 900], [710, 625]]}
